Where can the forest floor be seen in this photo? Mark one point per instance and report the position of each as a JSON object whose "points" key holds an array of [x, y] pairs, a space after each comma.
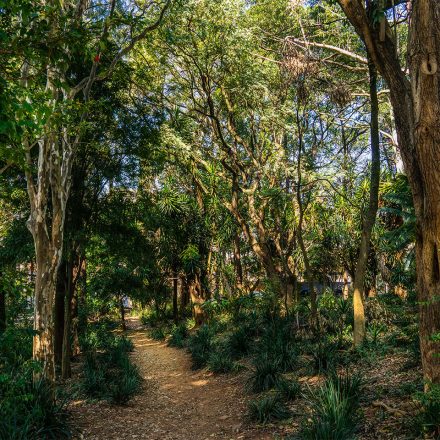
{"points": [[175, 402], [178, 403]]}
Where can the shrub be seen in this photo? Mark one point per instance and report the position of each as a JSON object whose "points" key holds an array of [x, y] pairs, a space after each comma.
{"points": [[268, 408], [289, 389], [93, 382], [27, 409], [110, 374], [200, 345], [428, 420], [334, 409], [158, 333], [179, 333], [277, 342], [239, 342], [266, 374], [220, 362], [125, 383], [324, 356]]}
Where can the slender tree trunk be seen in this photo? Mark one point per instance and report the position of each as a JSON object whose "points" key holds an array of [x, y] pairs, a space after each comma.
{"points": [[122, 311], [345, 290], [184, 293], [237, 262], [59, 312], [2, 306], [67, 346], [370, 215], [175, 292]]}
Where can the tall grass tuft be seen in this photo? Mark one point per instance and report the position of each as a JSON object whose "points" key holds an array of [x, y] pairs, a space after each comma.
{"points": [[334, 408]]}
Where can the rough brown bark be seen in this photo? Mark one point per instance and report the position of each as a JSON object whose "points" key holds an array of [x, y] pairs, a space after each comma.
{"points": [[369, 216], [416, 105], [237, 261]]}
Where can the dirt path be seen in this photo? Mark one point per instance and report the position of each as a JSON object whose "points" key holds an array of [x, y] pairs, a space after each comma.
{"points": [[175, 403]]}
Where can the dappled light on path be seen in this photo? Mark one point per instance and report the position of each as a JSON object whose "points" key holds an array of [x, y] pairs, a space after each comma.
{"points": [[176, 403]]}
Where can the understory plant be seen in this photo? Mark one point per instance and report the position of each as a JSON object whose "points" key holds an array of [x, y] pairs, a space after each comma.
{"points": [[268, 408], [334, 409]]}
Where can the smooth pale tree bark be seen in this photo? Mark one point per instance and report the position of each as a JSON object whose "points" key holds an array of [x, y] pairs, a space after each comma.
{"points": [[416, 105], [369, 216], [49, 190]]}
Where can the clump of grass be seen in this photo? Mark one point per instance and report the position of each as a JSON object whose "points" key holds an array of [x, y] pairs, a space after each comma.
{"points": [[324, 356], [289, 389], [200, 345], [334, 409], [109, 374], [93, 381], [239, 342], [220, 362], [158, 333], [266, 374], [179, 334], [268, 408], [124, 383], [277, 342]]}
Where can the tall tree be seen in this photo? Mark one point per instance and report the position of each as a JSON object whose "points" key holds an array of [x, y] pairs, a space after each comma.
{"points": [[71, 31], [416, 105]]}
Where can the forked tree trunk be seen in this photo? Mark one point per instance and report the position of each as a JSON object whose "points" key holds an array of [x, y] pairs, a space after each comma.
{"points": [[370, 215]]}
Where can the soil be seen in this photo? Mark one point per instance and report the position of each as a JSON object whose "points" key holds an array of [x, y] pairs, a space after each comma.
{"points": [[175, 402]]}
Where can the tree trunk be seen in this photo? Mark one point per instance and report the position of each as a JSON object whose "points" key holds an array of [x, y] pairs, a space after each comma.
{"points": [[2, 306], [370, 215], [67, 347], [345, 289], [416, 105], [122, 311], [175, 291], [45, 286], [59, 312], [237, 262]]}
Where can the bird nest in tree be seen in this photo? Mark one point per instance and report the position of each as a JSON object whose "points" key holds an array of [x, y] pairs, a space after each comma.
{"points": [[296, 63], [339, 94]]}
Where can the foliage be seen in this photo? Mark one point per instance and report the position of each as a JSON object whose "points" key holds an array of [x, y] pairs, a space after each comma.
{"points": [[428, 420], [334, 408], [200, 345], [178, 335], [27, 409], [109, 373], [268, 408], [290, 389], [266, 373]]}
